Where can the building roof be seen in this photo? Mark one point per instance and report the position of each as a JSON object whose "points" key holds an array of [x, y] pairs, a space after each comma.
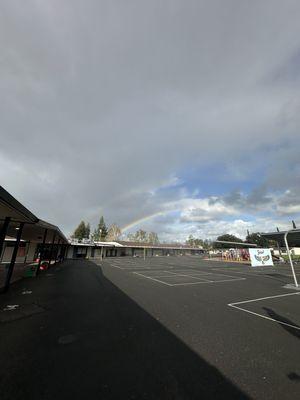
{"points": [[124, 243], [10, 207], [293, 237], [34, 227], [236, 244], [137, 245]]}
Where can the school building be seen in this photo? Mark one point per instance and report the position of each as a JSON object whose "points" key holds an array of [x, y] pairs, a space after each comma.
{"points": [[29, 244]]}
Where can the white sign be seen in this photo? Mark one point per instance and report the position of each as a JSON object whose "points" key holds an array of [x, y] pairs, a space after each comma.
{"points": [[260, 257]]}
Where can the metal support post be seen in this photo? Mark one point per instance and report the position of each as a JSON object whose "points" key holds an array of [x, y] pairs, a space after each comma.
{"points": [[3, 233], [56, 252], [290, 258], [42, 251], [14, 256], [51, 251]]}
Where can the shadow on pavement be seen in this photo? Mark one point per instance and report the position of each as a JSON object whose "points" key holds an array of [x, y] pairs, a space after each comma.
{"points": [[293, 331], [94, 342]]}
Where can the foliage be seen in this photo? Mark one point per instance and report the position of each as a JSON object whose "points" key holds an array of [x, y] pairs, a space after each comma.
{"points": [[87, 230], [227, 238], [82, 231], [255, 238], [113, 233], [100, 232], [194, 242], [143, 237], [207, 244], [152, 238]]}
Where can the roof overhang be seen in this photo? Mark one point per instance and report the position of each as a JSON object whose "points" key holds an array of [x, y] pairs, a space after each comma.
{"points": [[236, 244], [12, 208], [34, 228], [293, 237]]}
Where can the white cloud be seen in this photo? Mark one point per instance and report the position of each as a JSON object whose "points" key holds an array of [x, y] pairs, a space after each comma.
{"points": [[106, 102]]}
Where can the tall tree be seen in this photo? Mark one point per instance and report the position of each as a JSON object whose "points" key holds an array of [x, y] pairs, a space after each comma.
{"points": [[102, 228], [141, 236], [190, 240], [80, 231], [131, 237], [227, 238], [194, 242], [255, 238], [100, 232], [87, 230], [207, 244], [113, 233], [152, 238]]}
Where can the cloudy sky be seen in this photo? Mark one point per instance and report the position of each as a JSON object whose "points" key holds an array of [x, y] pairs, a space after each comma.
{"points": [[183, 115]]}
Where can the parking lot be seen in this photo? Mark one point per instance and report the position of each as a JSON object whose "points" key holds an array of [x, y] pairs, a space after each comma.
{"points": [[242, 319], [160, 328]]}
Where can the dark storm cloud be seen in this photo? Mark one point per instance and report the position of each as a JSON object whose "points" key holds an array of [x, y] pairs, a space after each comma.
{"points": [[103, 102]]}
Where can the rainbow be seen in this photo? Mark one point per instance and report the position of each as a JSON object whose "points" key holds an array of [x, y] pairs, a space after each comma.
{"points": [[140, 220]]}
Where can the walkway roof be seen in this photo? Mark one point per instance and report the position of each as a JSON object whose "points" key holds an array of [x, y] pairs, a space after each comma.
{"points": [[236, 244], [10, 207], [34, 227], [293, 237]]}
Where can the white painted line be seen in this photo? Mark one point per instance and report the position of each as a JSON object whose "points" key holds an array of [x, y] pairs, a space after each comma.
{"points": [[196, 272], [191, 283], [265, 317], [257, 273], [153, 279], [155, 274], [115, 266], [197, 283], [234, 305], [231, 280], [189, 276], [203, 280], [263, 298], [229, 276], [211, 276]]}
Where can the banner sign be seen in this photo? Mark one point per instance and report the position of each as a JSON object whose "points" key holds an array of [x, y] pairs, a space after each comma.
{"points": [[260, 257]]}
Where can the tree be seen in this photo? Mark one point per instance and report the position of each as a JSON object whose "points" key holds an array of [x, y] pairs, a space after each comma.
{"points": [[207, 244], [227, 238], [190, 240], [113, 233], [255, 238], [141, 236], [100, 232], [80, 231], [87, 230], [194, 242], [131, 237], [152, 238]]}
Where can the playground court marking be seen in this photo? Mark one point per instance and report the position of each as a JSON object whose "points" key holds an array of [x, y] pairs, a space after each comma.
{"points": [[237, 306]]}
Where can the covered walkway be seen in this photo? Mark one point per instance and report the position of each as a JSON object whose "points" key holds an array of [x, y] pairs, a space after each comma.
{"points": [[25, 241]]}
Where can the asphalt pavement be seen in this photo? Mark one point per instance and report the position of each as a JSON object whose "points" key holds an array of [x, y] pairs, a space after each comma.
{"points": [[163, 328]]}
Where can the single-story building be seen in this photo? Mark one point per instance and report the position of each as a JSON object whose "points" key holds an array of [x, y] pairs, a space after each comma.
{"points": [[121, 248], [25, 240]]}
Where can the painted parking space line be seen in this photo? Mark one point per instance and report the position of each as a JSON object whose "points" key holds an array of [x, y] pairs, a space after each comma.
{"points": [[153, 279], [200, 279], [236, 305], [255, 273], [190, 272], [189, 276], [211, 275], [155, 274], [208, 282]]}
